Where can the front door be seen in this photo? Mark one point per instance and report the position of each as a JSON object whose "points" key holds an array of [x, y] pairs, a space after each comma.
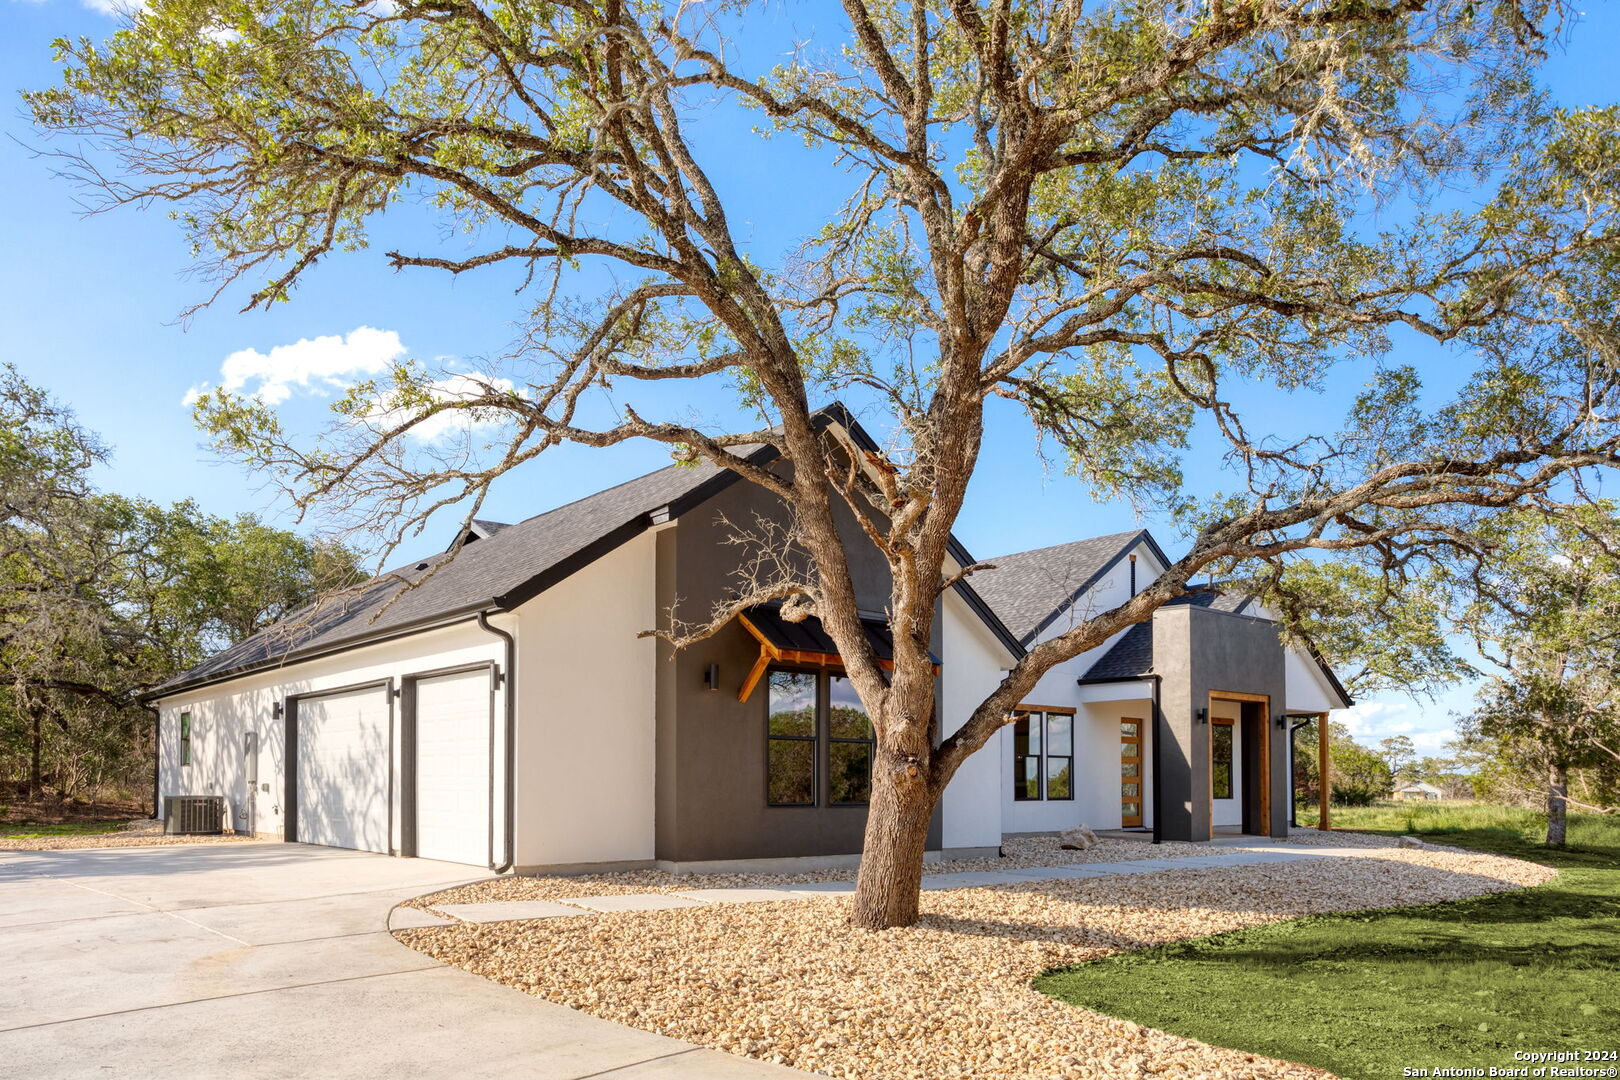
{"points": [[1130, 773]]}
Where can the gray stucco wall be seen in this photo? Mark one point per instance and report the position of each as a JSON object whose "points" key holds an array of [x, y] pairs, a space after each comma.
{"points": [[1196, 652], [711, 752]]}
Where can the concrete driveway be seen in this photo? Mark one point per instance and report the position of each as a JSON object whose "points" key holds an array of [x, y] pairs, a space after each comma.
{"points": [[270, 960]]}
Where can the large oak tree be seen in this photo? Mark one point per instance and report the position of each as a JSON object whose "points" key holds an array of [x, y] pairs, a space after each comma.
{"points": [[1122, 216]]}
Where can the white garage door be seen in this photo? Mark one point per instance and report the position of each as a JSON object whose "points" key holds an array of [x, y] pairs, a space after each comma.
{"points": [[453, 767], [344, 762]]}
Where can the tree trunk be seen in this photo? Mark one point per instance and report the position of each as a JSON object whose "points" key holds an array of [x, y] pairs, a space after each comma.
{"points": [[36, 776], [896, 837], [1557, 805]]}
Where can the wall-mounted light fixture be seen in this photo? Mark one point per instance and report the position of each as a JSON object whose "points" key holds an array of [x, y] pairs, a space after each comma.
{"points": [[1282, 720], [711, 677], [1203, 716], [275, 710]]}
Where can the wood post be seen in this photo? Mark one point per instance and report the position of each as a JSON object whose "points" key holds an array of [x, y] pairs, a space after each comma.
{"points": [[1324, 774]]}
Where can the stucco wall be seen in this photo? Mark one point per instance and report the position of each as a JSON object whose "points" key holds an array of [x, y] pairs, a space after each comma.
{"points": [[1198, 651], [222, 715], [711, 747], [973, 664], [586, 723], [1096, 766]]}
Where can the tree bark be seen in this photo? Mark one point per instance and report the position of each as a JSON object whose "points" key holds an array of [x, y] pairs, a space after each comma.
{"points": [[1557, 804], [888, 888], [36, 777]]}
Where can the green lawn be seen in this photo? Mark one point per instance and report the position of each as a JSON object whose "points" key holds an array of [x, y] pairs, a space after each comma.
{"points": [[1368, 994], [77, 828]]}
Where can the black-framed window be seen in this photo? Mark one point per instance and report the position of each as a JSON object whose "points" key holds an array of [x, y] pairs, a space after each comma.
{"points": [[1043, 755], [185, 738], [851, 745], [1220, 758], [790, 729]]}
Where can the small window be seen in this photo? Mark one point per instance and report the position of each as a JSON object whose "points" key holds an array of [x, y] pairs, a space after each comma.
{"points": [[791, 739], [1043, 755], [1220, 754], [851, 745], [185, 738], [1059, 755]]}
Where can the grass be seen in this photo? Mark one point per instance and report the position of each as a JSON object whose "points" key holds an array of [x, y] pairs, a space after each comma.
{"points": [[1366, 995], [71, 828]]}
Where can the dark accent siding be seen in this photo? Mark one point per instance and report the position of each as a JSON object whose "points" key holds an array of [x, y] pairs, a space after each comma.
{"points": [[711, 750], [1196, 651]]}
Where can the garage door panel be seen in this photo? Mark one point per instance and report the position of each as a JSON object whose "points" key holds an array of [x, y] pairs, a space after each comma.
{"points": [[453, 781], [344, 764]]}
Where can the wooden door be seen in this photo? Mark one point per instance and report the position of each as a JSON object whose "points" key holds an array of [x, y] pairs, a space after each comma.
{"points": [[1130, 772]]}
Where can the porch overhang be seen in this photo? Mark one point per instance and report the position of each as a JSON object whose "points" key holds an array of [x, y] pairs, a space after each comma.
{"points": [[1100, 690], [806, 642]]}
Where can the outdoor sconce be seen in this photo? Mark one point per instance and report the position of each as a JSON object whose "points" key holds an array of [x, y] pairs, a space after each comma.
{"points": [[275, 710], [1203, 716], [711, 677], [1282, 721]]}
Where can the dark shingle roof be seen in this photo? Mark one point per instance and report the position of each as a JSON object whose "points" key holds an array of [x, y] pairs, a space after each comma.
{"points": [[508, 565], [1028, 589], [1132, 654]]}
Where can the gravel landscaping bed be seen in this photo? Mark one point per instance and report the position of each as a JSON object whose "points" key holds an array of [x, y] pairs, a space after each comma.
{"points": [[791, 982], [142, 833], [1021, 854]]}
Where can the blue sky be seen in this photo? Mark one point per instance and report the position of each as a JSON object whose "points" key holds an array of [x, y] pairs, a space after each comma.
{"points": [[89, 308]]}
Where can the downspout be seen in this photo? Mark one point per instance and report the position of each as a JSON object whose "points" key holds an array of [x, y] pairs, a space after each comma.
{"points": [[1158, 796], [157, 760], [509, 698]]}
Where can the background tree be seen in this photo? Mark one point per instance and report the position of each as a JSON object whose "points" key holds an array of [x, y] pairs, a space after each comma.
{"points": [[1117, 216], [1547, 617], [103, 596], [1400, 755]]}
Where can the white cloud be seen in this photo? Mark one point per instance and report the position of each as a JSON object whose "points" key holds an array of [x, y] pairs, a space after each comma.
{"points": [[451, 423], [116, 7], [1429, 726], [321, 365]]}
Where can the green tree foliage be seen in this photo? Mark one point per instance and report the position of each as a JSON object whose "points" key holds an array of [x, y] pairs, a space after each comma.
{"points": [[1120, 217], [103, 596], [1546, 617], [1360, 775]]}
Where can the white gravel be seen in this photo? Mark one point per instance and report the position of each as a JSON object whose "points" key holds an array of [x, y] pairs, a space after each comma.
{"points": [[949, 998]]}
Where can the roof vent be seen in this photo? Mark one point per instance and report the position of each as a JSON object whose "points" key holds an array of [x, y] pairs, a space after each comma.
{"points": [[421, 566]]}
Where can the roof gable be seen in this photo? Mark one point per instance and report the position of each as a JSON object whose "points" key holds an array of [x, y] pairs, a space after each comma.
{"points": [[1030, 590], [507, 566]]}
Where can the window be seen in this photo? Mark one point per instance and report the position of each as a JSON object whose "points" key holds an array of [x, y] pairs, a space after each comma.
{"points": [[791, 739], [851, 745], [185, 738], [1220, 758], [1043, 755]]}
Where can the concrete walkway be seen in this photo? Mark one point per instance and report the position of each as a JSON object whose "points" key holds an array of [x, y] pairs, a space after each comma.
{"points": [[572, 906], [272, 961]]}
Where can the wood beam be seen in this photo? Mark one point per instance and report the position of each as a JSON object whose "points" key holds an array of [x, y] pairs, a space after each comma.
{"points": [[1324, 774], [755, 673]]}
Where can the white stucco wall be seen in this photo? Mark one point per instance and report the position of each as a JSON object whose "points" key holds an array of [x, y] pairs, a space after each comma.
{"points": [[586, 709], [1307, 689], [1096, 729], [221, 717], [973, 662]]}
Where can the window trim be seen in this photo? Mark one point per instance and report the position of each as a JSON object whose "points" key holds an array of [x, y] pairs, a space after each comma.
{"points": [[814, 739], [1045, 712]]}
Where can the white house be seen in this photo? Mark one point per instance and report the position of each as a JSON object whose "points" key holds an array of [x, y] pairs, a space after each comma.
{"points": [[502, 711]]}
